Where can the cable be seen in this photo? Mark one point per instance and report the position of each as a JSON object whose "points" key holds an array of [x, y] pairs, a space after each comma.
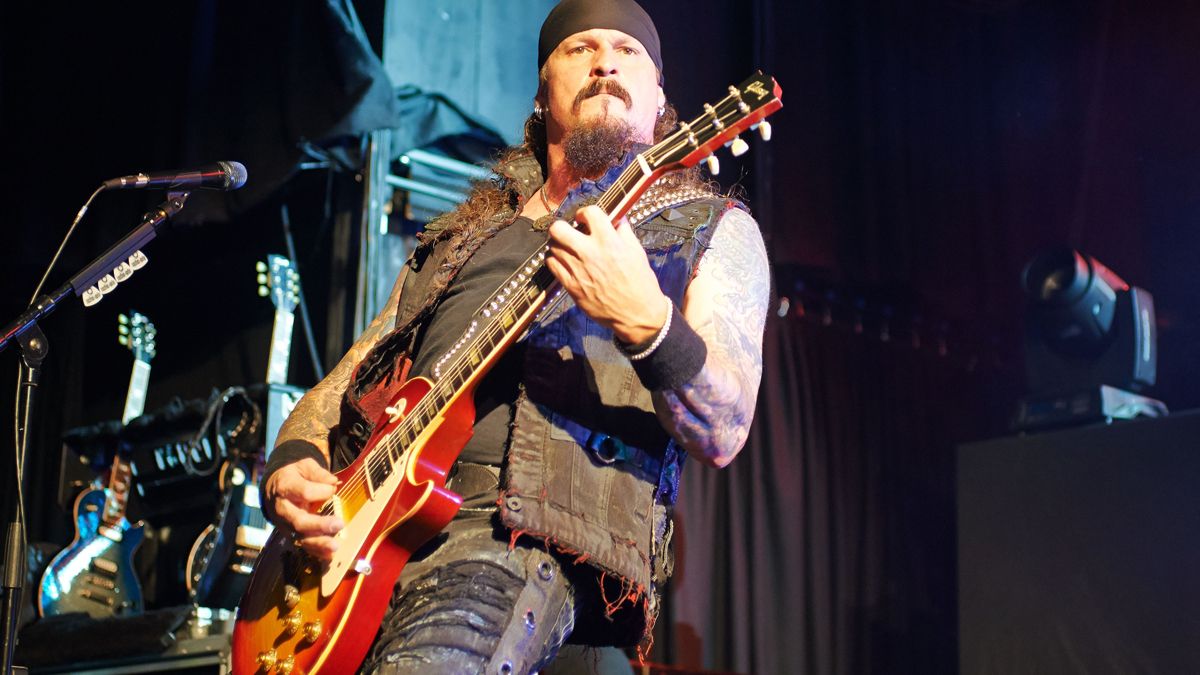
{"points": [[285, 218], [53, 261], [19, 454]]}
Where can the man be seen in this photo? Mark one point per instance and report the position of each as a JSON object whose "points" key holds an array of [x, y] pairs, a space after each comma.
{"points": [[654, 352]]}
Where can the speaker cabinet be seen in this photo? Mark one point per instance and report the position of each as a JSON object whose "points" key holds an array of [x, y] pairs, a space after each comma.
{"points": [[1079, 550]]}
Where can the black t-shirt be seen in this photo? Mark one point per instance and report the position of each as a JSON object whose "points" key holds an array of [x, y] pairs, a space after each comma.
{"points": [[479, 278]]}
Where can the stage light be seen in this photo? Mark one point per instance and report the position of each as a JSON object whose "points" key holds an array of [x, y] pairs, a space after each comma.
{"points": [[1090, 343]]}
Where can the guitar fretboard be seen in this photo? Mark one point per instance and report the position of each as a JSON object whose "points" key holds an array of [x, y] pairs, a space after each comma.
{"points": [[117, 494], [135, 399], [281, 347]]}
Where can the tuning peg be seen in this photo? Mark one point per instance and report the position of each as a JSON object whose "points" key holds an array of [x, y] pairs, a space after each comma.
{"points": [[260, 266], [738, 147], [123, 320], [262, 279], [263, 292], [714, 164], [123, 339], [764, 129]]}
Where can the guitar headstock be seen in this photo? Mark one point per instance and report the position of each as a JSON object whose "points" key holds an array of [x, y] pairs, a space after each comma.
{"points": [[277, 278], [136, 332], [745, 107]]}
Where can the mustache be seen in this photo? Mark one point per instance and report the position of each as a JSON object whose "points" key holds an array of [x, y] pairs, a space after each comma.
{"points": [[602, 86]]}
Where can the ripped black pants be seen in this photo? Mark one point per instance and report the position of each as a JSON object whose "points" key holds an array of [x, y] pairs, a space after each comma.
{"points": [[467, 604]]}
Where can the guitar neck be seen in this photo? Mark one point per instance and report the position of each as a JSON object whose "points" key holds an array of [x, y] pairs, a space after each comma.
{"points": [[117, 496], [281, 347], [135, 398]]}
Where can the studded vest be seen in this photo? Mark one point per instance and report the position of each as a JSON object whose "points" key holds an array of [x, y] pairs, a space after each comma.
{"points": [[589, 468]]}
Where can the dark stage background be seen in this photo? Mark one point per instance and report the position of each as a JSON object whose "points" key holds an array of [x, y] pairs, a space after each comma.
{"points": [[925, 152]]}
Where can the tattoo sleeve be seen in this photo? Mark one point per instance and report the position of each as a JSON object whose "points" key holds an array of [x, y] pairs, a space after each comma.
{"points": [[726, 304], [319, 409]]}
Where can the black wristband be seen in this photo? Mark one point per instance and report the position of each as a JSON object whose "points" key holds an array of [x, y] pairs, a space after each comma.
{"points": [[288, 452], [677, 359]]}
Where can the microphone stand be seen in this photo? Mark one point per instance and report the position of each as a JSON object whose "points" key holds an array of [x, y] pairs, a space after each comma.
{"points": [[91, 283]]}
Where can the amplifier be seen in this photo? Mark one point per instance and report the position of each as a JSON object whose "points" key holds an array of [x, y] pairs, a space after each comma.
{"points": [[175, 452]]}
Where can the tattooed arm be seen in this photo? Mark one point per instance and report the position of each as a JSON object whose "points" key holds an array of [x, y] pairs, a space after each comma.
{"points": [[726, 304], [295, 479]]}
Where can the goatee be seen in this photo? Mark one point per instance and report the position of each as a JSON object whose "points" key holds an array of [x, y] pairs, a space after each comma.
{"points": [[595, 145]]}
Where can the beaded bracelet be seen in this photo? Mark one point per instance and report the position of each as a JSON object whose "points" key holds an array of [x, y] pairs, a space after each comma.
{"points": [[658, 338]]}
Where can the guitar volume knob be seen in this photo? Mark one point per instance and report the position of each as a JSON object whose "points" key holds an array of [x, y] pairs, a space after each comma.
{"points": [[286, 665], [291, 596], [266, 660], [312, 630], [291, 624]]}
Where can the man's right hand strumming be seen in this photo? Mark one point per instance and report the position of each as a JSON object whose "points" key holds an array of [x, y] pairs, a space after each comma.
{"points": [[294, 492]]}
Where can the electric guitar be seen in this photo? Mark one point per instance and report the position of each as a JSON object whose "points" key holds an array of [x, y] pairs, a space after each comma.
{"points": [[222, 559], [278, 279], [305, 615], [95, 574]]}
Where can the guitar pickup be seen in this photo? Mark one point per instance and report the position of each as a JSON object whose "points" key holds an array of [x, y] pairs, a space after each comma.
{"points": [[110, 533], [94, 597], [252, 537], [103, 565], [102, 582]]}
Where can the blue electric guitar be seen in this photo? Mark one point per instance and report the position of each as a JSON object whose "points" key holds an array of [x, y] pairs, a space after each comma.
{"points": [[95, 574]]}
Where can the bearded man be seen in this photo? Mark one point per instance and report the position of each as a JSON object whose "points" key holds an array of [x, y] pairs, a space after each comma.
{"points": [[654, 353]]}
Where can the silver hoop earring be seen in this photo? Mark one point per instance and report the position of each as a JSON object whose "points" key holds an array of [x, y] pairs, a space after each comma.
{"points": [[661, 110]]}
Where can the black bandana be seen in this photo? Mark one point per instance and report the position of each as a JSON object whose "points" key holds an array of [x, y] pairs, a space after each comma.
{"points": [[574, 16]]}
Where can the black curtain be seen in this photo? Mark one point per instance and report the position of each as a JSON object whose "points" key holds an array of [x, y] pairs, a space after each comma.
{"points": [[828, 545]]}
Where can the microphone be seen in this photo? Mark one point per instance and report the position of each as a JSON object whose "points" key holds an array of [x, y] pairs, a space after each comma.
{"points": [[219, 176]]}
